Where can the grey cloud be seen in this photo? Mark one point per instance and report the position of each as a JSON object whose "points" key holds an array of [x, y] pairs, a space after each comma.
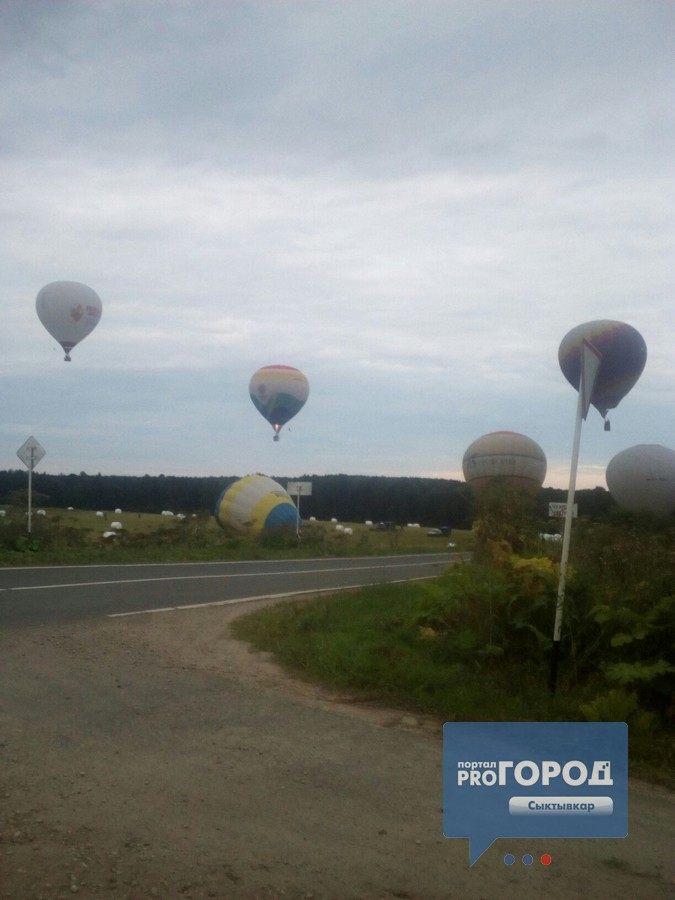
{"points": [[411, 202], [297, 84]]}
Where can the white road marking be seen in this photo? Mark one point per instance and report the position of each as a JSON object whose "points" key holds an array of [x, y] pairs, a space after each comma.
{"points": [[213, 562], [143, 612], [79, 584], [75, 584]]}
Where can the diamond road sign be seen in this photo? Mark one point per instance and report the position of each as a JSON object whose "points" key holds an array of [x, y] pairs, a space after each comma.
{"points": [[31, 452]]}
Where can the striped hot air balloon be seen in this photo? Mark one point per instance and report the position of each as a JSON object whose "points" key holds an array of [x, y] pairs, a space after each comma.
{"points": [[278, 393]]}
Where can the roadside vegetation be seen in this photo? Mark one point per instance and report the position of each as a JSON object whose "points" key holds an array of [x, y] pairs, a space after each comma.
{"points": [[474, 645], [76, 537]]}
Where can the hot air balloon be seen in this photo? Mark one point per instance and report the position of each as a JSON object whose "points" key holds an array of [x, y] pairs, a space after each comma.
{"points": [[69, 311], [278, 393], [255, 503], [642, 479], [508, 455], [623, 354]]}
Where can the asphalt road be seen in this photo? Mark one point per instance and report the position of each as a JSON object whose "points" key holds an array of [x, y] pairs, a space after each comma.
{"points": [[53, 594]]}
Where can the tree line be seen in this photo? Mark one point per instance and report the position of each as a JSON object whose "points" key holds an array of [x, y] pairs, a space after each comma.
{"points": [[432, 502]]}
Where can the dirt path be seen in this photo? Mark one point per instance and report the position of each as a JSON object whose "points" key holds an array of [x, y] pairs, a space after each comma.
{"points": [[155, 756]]}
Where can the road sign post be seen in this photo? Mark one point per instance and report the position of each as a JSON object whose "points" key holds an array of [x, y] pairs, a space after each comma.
{"points": [[299, 489], [30, 453]]}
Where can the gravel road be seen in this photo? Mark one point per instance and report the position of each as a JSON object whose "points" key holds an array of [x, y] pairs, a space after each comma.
{"points": [[155, 756]]}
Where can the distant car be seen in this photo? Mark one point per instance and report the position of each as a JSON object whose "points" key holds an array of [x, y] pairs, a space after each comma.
{"points": [[438, 532]]}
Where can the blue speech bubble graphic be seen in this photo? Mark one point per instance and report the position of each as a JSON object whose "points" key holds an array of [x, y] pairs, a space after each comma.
{"points": [[534, 780]]}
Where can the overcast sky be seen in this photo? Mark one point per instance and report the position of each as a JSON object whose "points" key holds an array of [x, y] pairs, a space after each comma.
{"points": [[411, 201]]}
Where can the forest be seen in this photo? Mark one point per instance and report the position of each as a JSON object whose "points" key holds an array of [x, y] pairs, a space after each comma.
{"points": [[432, 502]]}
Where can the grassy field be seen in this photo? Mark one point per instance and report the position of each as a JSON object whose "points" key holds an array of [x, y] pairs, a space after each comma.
{"points": [[65, 536]]}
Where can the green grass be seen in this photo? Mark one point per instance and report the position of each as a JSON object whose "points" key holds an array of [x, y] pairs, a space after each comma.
{"points": [[370, 643], [75, 537]]}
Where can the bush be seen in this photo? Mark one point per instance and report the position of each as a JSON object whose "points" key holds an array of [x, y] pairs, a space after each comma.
{"points": [[489, 617], [621, 613]]}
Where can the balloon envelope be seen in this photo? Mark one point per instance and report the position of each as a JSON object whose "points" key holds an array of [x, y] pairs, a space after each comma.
{"points": [[278, 393], [623, 352], [69, 311], [642, 479], [254, 503], [505, 454]]}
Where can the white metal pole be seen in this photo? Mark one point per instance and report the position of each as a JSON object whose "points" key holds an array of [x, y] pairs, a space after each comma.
{"points": [[568, 524], [567, 532], [30, 492]]}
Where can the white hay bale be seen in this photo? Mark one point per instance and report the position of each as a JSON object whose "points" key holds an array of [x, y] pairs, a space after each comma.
{"points": [[116, 526]]}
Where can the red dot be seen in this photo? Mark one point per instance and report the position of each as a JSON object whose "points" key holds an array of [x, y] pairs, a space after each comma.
{"points": [[546, 859]]}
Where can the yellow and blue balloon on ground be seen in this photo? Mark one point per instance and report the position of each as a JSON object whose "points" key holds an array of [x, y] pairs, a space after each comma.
{"points": [[254, 503]]}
